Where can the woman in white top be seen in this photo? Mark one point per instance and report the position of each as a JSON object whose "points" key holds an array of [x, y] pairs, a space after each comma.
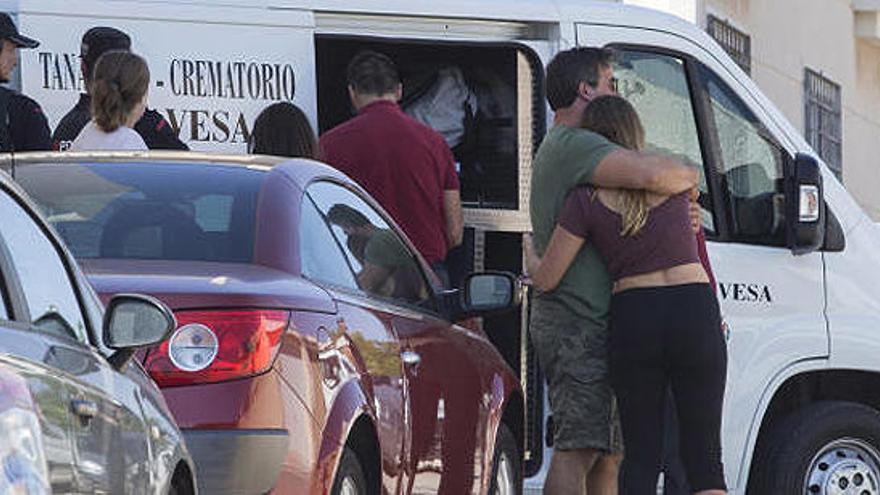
{"points": [[119, 97]]}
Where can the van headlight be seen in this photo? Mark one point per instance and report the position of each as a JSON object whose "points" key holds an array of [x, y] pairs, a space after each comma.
{"points": [[23, 468]]}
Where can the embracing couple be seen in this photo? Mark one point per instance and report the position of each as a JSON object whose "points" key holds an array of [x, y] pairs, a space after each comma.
{"points": [[625, 310]]}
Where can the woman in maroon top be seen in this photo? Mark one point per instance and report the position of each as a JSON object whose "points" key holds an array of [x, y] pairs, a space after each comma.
{"points": [[665, 321]]}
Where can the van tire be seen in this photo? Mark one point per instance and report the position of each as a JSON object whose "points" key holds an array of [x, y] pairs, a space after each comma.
{"points": [[349, 475], [825, 440], [506, 462]]}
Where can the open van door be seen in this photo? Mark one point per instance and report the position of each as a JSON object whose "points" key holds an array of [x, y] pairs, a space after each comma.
{"points": [[494, 118], [772, 300], [212, 69]]}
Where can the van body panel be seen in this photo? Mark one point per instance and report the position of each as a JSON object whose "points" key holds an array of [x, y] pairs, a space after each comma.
{"points": [[755, 417], [515, 10], [788, 315], [209, 90], [775, 320], [853, 306]]}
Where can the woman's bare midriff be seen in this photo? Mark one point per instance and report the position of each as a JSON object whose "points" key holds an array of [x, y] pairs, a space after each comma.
{"points": [[691, 273]]}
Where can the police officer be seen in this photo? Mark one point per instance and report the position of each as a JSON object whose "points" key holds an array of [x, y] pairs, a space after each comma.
{"points": [[152, 127], [23, 126]]}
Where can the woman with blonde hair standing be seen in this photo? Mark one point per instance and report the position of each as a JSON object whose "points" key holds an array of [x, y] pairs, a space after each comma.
{"points": [[119, 97], [665, 321]]}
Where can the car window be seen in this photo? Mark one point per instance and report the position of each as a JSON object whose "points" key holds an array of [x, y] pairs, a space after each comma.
{"points": [[48, 291], [751, 167], [155, 211], [320, 255], [657, 86], [383, 264]]}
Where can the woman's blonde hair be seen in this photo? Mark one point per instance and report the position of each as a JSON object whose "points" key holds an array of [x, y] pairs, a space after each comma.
{"points": [[616, 119], [119, 83]]}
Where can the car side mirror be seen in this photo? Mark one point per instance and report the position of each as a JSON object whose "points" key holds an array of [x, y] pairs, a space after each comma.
{"points": [[489, 292], [134, 321], [805, 205]]}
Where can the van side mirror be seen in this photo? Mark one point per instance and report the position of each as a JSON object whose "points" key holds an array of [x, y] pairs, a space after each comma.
{"points": [[805, 205], [134, 321]]}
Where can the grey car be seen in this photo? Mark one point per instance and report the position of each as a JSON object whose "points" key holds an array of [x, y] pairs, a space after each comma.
{"points": [[77, 413]]}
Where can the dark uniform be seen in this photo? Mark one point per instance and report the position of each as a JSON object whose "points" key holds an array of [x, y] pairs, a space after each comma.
{"points": [[23, 126], [153, 128], [27, 128]]}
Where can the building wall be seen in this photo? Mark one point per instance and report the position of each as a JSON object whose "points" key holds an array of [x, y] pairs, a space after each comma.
{"points": [[788, 36]]}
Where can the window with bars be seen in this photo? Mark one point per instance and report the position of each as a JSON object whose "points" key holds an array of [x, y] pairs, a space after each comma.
{"points": [[736, 43], [822, 113]]}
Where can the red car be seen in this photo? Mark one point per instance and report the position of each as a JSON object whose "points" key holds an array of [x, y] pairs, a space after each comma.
{"points": [[314, 352]]}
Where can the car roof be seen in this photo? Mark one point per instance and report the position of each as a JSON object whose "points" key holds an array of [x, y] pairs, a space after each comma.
{"points": [[301, 170]]}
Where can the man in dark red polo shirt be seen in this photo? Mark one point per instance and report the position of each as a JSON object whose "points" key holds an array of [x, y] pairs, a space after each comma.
{"points": [[404, 164]]}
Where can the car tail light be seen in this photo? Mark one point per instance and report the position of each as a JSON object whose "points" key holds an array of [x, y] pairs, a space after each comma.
{"points": [[193, 347], [216, 346]]}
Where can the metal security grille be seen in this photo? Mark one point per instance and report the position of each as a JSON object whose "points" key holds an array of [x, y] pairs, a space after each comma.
{"points": [[823, 125], [736, 43]]}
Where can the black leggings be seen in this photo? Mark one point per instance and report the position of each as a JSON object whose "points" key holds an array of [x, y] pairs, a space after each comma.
{"points": [[668, 337]]}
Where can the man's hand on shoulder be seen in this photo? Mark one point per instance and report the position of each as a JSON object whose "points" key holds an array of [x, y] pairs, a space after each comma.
{"points": [[628, 169]]}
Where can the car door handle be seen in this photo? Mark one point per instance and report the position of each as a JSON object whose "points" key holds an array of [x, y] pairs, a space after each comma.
{"points": [[85, 409], [410, 358]]}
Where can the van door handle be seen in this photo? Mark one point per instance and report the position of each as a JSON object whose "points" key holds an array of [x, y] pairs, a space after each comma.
{"points": [[85, 409]]}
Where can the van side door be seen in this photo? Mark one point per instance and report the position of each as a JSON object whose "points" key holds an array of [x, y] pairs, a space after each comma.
{"points": [[109, 441], [695, 107]]}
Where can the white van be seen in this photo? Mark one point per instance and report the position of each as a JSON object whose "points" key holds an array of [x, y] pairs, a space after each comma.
{"points": [[795, 257]]}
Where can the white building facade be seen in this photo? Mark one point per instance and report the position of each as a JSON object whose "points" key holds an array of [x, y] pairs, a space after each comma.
{"points": [[819, 62]]}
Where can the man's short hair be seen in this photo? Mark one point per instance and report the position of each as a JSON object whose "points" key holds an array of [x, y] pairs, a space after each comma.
{"points": [[98, 41], [571, 67], [346, 216], [372, 73]]}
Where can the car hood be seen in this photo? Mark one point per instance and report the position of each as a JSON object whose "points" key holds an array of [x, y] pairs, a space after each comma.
{"points": [[205, 285]]}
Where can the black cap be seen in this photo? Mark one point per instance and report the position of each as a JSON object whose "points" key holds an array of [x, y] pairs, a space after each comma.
{"points": [[9, 32], [100, 40]]}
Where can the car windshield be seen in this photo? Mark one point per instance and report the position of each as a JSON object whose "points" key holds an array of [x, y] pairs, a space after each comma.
{"points": [[154, 211]]}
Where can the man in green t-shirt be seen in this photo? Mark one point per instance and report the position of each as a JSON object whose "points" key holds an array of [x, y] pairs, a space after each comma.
{"points": [[568, 325]]}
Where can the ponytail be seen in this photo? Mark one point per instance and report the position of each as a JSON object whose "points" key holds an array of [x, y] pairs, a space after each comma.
{"points": [[119, 84]]}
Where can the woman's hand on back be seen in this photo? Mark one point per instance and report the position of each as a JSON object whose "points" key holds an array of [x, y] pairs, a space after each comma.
{"points": [[695, 212]]}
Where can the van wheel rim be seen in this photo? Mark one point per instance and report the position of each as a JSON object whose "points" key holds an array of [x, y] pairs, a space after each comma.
{"points": [[504, 478], [847, 466], [349, 487]]}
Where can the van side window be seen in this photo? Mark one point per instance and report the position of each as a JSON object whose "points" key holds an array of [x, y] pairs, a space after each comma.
{"points": [[51, 299], [751, 167], [657, 86]]}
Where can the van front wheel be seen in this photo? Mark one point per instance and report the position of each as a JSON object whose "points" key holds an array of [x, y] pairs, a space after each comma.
{"points": [[827, 448]]}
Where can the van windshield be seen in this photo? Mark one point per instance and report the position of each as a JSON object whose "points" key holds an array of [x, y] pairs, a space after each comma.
{"points": [[154, 211]]}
